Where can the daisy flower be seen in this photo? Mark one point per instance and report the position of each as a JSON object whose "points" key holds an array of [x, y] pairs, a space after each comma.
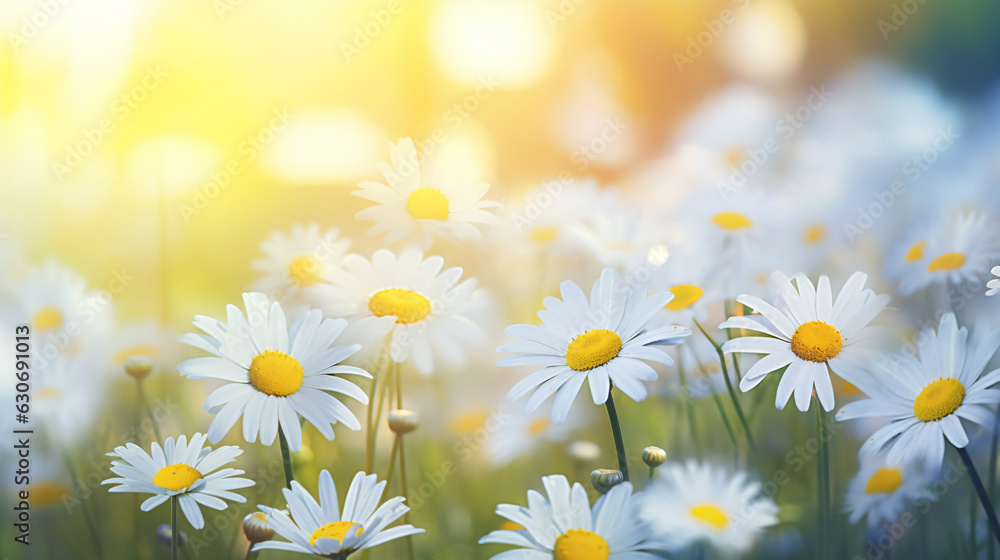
{"points": [[275, 373], [67, 397], [298, 260], [601, 341], [699, 502], [881, 491], [425, 200], [612, 231], [808, 332], [322, 529], [183, 470], [565, 527], [926, 396], [994, 285], [423, 310], [55, 298]]}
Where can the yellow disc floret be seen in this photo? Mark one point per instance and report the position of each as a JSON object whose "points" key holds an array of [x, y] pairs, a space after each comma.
{"points": [[580, 544], [732, 221], [710, 514], [817, 341], [885, 481], [336, 530], [47, 319], [406, 306], [593, 348], [176, 477], [275, 373], [685, 295], [814, 234], [915, 252], [302, 271], [939, 399], [427, 204], [947, 261]]}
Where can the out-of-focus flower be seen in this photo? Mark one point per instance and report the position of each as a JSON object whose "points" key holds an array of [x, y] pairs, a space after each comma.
{"points": [[565, 526], [180, 469], [66, 399], [403, 421], [694, 502], [994, 285], [276, 373], [584, 451], [298, 260], [926, 397], [601, 341], [881, 491], [322, 529], [809, 332], [55, 299], [424, 200], [423, 310]]}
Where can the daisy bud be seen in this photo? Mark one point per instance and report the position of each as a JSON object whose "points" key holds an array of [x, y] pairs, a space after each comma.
{"points": [[584, 451], [163, 535], [605, 479], [139, 367], [256, 529], [654, 456], [402, 421]]}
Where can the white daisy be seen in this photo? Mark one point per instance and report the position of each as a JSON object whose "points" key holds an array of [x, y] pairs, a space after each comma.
{"points": [[994, 285], [275, 373], [565, 527], [296, 261], [881, 491], [426, 311], [322, 529], [426, 202], [602, 341], [183, 470], [55, 299], [926, 397], [690, 278], [808, 332], [699, 502], [612, 231], [67, 397]]}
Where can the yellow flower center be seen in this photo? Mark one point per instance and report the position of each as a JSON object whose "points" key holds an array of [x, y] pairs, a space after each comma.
{"points": [[884, 481], [916, 252], [544, 234], [275, 373], [734, 156], [939, 399], [538, 426], [731, 221], [814, 234], [149, 350], [469, 422], [46, 494], [303, 270], [406, 306], [580, 544], [47, 393], [593, 348], [427, 204], [260, 516], [817, 341], [619, 246], [47, 319], [685, 295], [710, 514], [947, 261], [176, 477], [336, 530]]}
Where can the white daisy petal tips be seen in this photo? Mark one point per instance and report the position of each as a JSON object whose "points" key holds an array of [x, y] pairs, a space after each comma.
{"points": [[808, 332], [424, 201], [322, 529], [603, 341], [564, 526], [276, 373], [179, 469], [927, 397], [994, 285]]}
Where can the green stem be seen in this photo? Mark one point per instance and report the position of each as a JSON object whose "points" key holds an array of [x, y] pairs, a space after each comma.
{"points": [[145, 404], [729, 387], [688, 405], [88, 515], [725, 419], [616, 430], [174, 533], [991, 482], [652, 471], [977, 483], [823, 483], [286, 458]]}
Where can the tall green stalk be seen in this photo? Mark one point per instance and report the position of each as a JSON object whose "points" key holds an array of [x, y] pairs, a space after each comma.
{"points": [[616, 430], [823, 484], [977, 483], [286, 458], [729, 387], [174, 532]]}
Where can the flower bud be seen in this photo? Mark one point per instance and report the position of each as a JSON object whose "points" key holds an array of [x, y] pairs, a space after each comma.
{"points": [[584, 451], [139, 367], [654, 456], [605, 479], [402, 421], [256, 529]]}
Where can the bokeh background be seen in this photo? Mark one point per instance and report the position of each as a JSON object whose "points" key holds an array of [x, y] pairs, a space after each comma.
{"points": [[165, 140]]}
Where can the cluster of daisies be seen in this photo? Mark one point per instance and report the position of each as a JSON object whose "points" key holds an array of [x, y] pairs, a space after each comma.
{"points": [[716, 276]]}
